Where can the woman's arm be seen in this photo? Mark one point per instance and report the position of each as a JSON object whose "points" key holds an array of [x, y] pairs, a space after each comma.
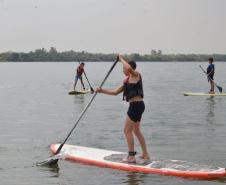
{"points": [[127, 66], [115, 91]]}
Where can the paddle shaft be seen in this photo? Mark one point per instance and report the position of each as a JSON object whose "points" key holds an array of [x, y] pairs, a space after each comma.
{"points": [[87, 106], [88, 82]]}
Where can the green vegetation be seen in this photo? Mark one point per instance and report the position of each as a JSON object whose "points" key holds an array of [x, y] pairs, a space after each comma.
{"points": [[42, 55]]}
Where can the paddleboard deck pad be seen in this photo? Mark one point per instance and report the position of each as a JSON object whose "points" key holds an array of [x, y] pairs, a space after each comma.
{"points": [[203, 94], [76, 92], [113, 159]]}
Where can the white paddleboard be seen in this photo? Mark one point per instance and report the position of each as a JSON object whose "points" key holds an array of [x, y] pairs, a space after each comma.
{"points": [[76, 92], [203, 94], [113, 159]]}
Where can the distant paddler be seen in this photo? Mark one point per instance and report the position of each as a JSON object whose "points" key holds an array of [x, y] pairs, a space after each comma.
{"points": [[210, 74], [79, 71]]}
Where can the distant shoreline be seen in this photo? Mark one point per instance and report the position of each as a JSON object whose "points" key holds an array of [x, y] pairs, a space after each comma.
{"points": [[42, 55]]}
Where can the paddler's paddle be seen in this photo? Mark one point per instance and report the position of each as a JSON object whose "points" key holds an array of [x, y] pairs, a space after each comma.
{"points": [[87, 80], [54, 159], [89, 83], [220, 89]]}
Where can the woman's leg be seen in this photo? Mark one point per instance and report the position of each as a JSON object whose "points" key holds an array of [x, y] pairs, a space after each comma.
{"points": [[128, 131], [141, 140]]}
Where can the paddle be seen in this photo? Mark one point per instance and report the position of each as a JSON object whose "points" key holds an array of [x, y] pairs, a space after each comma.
{"points": [[87, 80], [54, 159], [220, 89]]}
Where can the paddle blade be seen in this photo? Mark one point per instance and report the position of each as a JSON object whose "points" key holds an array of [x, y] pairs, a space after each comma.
{"points": [[220, 89], [92, 90], [50, 161]]}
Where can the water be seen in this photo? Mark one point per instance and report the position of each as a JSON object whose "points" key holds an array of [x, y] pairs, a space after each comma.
{"points": [[36, 111]]}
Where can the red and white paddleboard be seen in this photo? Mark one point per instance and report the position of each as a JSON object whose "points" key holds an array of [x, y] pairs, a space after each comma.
{"points": [[113, 159]]}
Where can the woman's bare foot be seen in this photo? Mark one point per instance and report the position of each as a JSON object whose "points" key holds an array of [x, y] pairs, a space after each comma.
{"points": [[129, 159], [144, 156]]}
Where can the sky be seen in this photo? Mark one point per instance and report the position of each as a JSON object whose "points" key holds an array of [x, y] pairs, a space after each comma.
{"points": [[114, 26]]}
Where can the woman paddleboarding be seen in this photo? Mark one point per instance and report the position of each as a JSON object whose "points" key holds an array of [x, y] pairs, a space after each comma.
{"points": [[132, 89]]}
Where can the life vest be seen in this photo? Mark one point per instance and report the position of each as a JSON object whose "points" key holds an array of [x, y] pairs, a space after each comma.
{"points": [[131, 90]]}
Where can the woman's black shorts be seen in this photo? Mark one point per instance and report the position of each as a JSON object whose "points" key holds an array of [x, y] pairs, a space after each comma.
{"points": [[136, 110]]}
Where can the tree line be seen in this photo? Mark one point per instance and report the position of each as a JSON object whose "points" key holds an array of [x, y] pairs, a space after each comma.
{"points": [[52, 55]]}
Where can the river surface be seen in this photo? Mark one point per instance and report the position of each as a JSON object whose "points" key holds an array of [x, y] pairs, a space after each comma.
{"points": [[36, 111]]}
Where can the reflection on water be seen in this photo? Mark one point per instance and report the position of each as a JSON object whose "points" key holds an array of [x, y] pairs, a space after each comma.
{"points": [[210, 110], [212, 104], [54, 170], [79, 99], [223, 180], [134, 178]]}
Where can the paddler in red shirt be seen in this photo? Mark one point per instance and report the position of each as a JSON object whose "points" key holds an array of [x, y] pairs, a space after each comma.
{"points": [[79, 72]]}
